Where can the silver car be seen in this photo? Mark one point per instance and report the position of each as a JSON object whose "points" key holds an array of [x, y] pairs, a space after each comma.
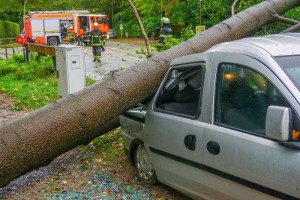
{"points": [[224, 124]]}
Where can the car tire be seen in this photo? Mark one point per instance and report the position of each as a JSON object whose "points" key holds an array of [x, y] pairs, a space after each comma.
{"points": [[144, 166], [53, 41]]}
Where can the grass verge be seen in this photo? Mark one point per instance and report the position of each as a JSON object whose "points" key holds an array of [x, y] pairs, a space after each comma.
{"points": [[31, 85]]}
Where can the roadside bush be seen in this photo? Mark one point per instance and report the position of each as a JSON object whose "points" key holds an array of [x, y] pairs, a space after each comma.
{"points": [[187, 33], [10, 65], [9, 29], [32, 84], [168, 43], [37, 67]]}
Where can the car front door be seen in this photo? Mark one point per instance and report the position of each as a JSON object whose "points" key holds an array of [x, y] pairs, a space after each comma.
{"points": [[173, 134], [243, 162]]}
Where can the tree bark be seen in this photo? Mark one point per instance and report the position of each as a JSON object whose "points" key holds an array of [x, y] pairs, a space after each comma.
{"points": [[35, 139]]}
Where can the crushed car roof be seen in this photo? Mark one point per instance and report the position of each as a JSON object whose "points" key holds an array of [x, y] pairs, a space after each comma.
{"points": [[272, 45]]}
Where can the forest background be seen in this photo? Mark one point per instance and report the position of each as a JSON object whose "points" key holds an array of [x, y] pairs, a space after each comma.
{"points": [[184, 15]]}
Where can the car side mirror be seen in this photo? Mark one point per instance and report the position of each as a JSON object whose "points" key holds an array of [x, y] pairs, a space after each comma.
{"points": [[278, 123]]}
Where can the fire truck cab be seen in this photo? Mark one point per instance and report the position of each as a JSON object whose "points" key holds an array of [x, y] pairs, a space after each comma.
{"points": [[48, 27]]}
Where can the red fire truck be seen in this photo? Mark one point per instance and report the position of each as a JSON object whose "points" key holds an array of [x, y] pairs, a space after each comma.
{"points": [[46, 27]]}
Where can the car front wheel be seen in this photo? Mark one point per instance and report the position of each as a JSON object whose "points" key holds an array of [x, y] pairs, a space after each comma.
{"points": [[144, 166]]}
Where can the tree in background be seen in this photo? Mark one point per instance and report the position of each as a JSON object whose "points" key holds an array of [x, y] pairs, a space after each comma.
{"points": [[150, 12], [11, 11], [182, 13], [141, 27]]}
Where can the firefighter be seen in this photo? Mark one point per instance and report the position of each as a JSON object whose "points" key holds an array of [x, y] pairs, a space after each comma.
{"points": [[96, 40], [80, 34], [64, 31], [71, 34], [166, 31]]}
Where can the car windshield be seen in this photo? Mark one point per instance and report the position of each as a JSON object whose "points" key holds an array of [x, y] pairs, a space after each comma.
{"points": [[291, 66]]}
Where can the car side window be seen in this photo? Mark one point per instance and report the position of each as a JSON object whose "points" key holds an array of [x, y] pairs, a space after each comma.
{"points": [[243, 97], [181, 92]]}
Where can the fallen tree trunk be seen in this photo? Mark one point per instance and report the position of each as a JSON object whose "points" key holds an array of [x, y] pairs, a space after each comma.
{"points": [[33, 140]]}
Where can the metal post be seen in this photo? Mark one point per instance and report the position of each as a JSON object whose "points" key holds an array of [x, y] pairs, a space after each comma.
{"points": [[112, 17], [24, 8], [54, 62], [27, 53], [24, 53], [161, 8], [5, 52], [200, 12], [24, 19], [121, 26]]}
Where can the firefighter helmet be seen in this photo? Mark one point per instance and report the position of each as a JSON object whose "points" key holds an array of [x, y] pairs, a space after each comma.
{"points": [[165, 20]]}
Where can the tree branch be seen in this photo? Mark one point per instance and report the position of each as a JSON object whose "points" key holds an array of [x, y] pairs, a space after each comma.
{"points": [[292, 29], [279, 18], [233, 6]]}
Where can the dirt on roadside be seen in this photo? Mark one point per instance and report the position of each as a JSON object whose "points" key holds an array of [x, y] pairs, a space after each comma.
{"points": [[6, 114], [88, 174]]}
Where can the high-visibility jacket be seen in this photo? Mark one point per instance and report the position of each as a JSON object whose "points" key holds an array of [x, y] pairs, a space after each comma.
{"points": [[166, 32], [80, 33], [71, 34], [96, 38]]}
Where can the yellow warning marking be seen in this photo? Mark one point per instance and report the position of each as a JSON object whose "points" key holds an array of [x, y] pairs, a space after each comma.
{"points": [[42, 49], [295, 135]]}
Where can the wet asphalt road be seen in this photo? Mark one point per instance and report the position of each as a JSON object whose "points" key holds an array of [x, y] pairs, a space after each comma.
{"points": [[116, 55]]}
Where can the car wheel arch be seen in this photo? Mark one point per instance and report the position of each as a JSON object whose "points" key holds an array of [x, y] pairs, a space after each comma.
{"points": [[143, 164], [133, 147]]}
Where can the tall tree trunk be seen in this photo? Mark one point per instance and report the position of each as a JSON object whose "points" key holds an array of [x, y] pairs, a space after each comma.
{"points": [[33, 140], [141, 27]]}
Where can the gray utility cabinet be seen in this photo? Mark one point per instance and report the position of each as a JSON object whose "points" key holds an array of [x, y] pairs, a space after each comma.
{"points": [[70, 69]]}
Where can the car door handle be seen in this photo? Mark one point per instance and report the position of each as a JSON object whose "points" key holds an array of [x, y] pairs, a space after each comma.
{"points": [[190, 142], [213, 147]]}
